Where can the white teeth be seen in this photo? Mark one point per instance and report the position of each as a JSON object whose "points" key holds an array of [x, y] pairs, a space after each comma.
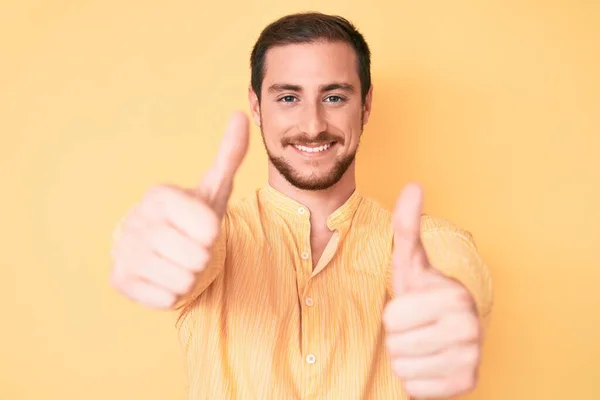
{"points": [[313, 149]]}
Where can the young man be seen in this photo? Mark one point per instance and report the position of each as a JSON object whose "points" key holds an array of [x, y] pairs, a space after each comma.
{"points": [[307, 289]]}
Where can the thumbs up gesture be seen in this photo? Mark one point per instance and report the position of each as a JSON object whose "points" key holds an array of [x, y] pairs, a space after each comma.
{"points": [[166, 240], [432, 329]]}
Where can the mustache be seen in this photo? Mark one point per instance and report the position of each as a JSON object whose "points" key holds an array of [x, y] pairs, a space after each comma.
{"points": [[305, 140]]}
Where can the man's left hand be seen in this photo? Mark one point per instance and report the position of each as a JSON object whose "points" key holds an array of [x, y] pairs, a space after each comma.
{"points": [[433, 333]]}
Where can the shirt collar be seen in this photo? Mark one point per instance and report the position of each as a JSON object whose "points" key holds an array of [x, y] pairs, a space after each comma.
{"points": [[289, 207]]}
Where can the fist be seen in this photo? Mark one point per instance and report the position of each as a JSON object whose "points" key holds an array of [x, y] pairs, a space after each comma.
{"points": [[166, 240], [432, 329]]}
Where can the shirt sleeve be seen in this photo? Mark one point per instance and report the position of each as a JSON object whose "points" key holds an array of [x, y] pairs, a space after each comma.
{"points": [[453, 252], [210, 273]]}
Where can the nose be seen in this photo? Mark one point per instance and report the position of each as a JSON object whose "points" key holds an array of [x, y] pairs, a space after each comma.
{"points": [[312, 120]]}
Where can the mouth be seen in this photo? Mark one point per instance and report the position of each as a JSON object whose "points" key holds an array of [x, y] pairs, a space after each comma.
{"points": [[314, 149]]}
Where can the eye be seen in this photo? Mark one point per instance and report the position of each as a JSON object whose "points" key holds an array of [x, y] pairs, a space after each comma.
{"points": [[288, 99], [334, 99]]}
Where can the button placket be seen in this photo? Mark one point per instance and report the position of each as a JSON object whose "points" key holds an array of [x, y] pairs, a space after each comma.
{"points": [[309, 319]]}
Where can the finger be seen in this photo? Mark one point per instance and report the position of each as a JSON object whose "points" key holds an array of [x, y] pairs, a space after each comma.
{"points": [[439, 387], [408, 255], [430, 367], [458, 329], [166, 275], [150, 295], [187, 214], [449, 362], [416, 309], [423, 341], [216, 185], [179, 249]]}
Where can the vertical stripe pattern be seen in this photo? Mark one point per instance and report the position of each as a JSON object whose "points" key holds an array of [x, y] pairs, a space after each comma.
{"points": [[264, 324]]}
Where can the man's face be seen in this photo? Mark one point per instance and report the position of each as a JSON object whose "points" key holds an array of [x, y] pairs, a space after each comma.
{"points": [[311, 114]]}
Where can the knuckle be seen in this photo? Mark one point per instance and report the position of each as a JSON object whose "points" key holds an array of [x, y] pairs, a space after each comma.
{"points": [[157, 198], [466, 327], [120, 279], [128, 237], [158, 192], [170, 301], [388, 318], [392, 344], [150, 199], [200, 262], [192, 254], [186, 283], [467, 383], [453, 386], [461, 295], [398, 368], [459, 384], [163, 302], [211, 228], [412, 389], [390, 314], [472, 328], [212, 237], [472, 356]]}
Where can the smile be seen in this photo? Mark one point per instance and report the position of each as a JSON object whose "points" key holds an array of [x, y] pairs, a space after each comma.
{"points": [[317, 149]]}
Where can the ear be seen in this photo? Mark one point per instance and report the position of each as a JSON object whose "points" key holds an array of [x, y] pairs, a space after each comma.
{"points": [[254, 106], [367, 105]]}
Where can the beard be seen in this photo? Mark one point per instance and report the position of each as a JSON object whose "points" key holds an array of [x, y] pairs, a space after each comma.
{"points": [[313, 181]]}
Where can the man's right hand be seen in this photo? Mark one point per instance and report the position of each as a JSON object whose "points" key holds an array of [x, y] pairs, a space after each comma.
{"points": [[167, 239]]}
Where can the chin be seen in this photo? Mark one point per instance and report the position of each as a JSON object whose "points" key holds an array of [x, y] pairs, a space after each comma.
{"points": [[318, 180], [308, 184], [311, 177]]}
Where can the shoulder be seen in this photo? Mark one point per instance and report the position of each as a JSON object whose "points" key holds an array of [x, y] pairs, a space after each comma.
{"points": [[438, 227], [241, 212], [371, 212], [244, 205]]}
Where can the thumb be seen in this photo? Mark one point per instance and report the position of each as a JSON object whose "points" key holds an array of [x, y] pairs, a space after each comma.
{"points": [[408, 256], [217, 184]]}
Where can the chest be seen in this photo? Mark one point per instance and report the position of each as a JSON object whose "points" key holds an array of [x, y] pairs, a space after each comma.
{"points": [[286, 270], [318, 243]]}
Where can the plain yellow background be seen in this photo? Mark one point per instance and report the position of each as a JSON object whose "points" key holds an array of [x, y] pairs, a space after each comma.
{"points": [[493, 106]]}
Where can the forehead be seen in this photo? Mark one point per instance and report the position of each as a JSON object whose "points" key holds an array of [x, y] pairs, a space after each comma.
{"points": [[311, 64]]}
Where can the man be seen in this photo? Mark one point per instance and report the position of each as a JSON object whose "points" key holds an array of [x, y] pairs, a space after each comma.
{"points": [[307, 289]]}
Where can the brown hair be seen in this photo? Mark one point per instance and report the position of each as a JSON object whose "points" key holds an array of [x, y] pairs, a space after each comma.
{"points": [[307, 28]]}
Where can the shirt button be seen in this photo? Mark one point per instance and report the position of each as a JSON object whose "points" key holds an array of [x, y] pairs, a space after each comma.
{"points": [[309, 301], [311, 358], [305, 255], [301, 210]]}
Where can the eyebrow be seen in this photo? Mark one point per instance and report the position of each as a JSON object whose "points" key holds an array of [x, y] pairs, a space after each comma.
{"points": [[283, 87]]}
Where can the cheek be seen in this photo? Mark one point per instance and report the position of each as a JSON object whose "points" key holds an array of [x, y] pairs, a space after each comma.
{"points": [[350, 128], [283, 119], [276, 124]]}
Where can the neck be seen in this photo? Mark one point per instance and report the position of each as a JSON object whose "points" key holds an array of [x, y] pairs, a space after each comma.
{"points": [[320, 203]]}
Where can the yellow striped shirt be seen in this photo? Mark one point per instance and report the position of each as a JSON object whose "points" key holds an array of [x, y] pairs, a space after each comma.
{"points": [[263, 324]]}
